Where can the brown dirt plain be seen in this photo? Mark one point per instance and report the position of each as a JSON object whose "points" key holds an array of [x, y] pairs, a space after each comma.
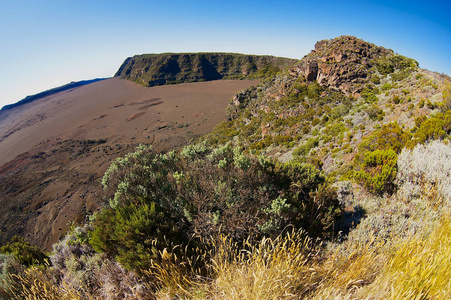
{"points": [[54, 150]]}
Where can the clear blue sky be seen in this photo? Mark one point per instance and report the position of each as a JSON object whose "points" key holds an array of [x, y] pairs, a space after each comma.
{"points": [[47, 43]]}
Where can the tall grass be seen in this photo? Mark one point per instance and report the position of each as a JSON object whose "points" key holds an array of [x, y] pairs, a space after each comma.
{"points": [[277, 268], [420, 268]]}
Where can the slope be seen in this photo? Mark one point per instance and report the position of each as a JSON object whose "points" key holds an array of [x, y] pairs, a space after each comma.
{"points": [[54, 150]]}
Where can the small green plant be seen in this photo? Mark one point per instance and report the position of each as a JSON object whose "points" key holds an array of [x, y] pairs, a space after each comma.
{"points": [[421, 103], [375, 112], [25, 253], [379, 171], [386, 86]]}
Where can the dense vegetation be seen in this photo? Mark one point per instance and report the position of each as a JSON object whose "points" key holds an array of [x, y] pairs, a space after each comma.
{"points": [[192, 198]]}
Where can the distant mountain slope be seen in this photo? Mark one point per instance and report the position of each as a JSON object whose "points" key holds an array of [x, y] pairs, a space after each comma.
{"points": [[40, 95], [171, 68]]}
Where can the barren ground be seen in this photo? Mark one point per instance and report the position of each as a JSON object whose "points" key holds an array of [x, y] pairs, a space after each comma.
{"points": [[54, 151]]}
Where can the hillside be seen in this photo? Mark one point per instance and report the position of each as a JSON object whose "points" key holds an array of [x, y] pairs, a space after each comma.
{"points": [[54, 150], [173, 68], [328, 179], [49, 92], [321, 109]]}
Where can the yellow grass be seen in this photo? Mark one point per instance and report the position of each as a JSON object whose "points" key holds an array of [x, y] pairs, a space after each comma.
{"points": [[273, 269], [33, 284], [421, 269]]}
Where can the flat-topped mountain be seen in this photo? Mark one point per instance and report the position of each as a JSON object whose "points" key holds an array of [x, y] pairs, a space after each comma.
{"points": [[172, 68]]}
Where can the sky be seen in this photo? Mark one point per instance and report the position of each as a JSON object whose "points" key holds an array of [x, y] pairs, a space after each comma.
{"points": [[48, 43]]}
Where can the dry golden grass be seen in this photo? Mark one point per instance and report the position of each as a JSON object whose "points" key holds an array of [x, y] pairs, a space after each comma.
{"points": [[273, 269], [420, 268], [33, 284]]}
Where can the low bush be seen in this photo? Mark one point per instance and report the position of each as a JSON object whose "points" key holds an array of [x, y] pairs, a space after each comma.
{"points": [[389, 136], [427, 164], [437, 126], [158, 201], [379, 171], [25, 253]]}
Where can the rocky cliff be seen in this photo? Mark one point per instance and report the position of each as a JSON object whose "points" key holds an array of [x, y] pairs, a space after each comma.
{"points": [[347, 63], [171, 68]]}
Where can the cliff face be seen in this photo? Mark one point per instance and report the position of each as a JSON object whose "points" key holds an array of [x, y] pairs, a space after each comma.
{"points": [[170, 68], [346, 63]]}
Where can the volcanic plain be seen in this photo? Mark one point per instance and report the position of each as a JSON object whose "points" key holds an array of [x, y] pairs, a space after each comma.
{"points": [[53, 151]]}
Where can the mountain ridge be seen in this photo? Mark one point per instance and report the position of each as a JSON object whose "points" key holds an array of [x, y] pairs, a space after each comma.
{"points": [[49, 92]]}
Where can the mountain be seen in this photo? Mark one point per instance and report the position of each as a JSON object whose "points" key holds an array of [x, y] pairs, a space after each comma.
{"points": [[326, 178], [173, 68], [317, 110], [322, 108], [40, 95]]}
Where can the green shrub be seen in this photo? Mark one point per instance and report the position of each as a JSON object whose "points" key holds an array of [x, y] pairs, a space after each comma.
{"points": [[389, 136], [192, 197], [314, 90], [435, 127], [369, 95], [387, 86], [375, 79], [421, 103], [379, 171], [25, 253], [431, 105], [375, 112], [376, 161], [302, 151], [387, 65]]}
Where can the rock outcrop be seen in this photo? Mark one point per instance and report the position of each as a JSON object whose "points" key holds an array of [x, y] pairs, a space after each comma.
{"points": [[341, 64]]}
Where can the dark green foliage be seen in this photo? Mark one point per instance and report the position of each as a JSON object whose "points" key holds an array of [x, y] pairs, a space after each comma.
{"points": [[387, 86], [387, 65], [157, 201], [314, 90], [375, 164], [368, 94], [302, 151], [389, 136], [431, 105], [378, 171], [375, 79], [421, 103], [375, 112], [334, 131], [25, 253]]}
